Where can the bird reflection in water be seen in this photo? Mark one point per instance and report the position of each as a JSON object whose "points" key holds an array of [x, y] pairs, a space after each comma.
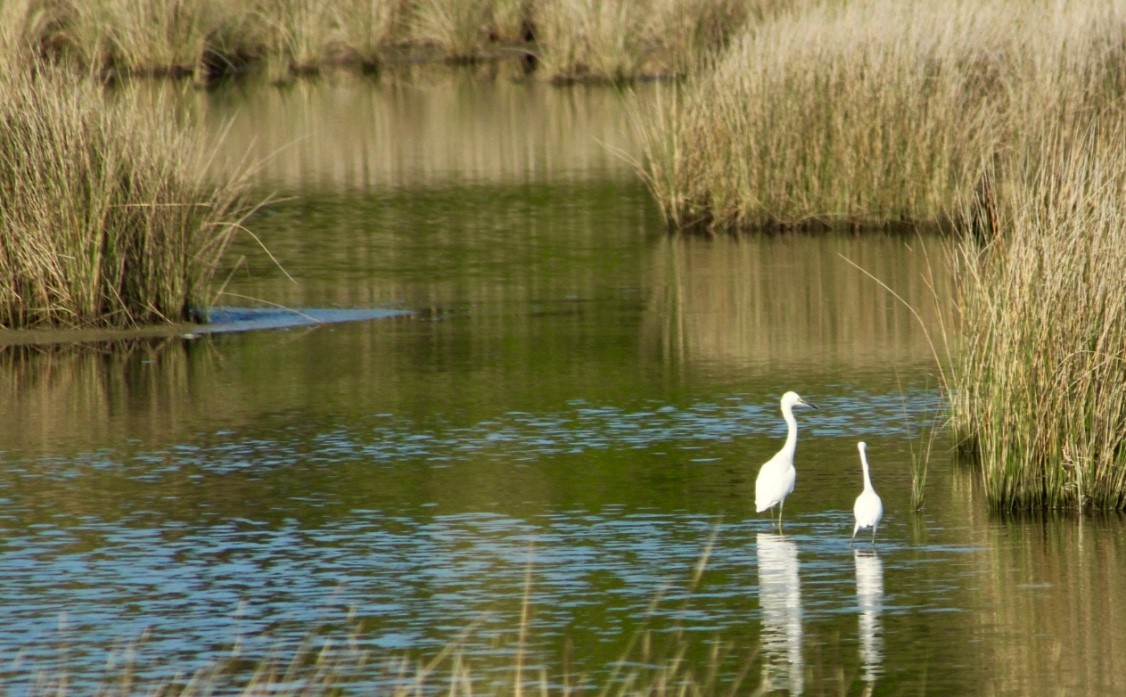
{"points": [[780, 600], [870, 599]]}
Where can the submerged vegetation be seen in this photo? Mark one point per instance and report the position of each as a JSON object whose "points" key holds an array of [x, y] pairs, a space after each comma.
{"points": [[107, 217]]}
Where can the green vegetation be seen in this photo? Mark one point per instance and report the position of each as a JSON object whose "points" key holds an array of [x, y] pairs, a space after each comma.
{"points": [[105, 215], [571, 39]]}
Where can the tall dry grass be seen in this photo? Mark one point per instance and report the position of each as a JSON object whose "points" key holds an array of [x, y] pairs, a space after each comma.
{"points": [[873, 110], [1040, 387], [618, 40], [176, 37], [571, 39], [106, 218]]}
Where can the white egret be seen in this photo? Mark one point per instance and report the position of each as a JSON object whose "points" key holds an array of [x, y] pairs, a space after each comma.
{"points": [[868, 508], [776, 478]]}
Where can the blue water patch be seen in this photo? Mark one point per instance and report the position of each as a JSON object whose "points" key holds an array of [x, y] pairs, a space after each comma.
{"points": [[241, 319]]}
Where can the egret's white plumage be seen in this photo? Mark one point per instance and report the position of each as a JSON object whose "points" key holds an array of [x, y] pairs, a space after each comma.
{"points": [[776, 478], [868, 508]]}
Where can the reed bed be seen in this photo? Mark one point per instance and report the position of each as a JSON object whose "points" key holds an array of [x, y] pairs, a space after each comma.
{"points": [[619, 40], [106, 218], [871, 111], [1040, 387], [568, 39]]}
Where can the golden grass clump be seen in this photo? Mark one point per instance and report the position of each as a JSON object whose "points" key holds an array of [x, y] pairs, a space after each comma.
{"points": [[871, 111], [598, 40], [175, 37], [620, 40], [106, 218], [1040, 385], [460, 28]]}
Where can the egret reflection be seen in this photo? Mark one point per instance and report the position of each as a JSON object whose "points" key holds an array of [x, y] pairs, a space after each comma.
{"points": [[870, 599], [780, 600]]}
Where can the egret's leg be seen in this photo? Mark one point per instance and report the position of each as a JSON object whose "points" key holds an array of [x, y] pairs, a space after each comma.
{"points": [[853, 538], [873, 534]]}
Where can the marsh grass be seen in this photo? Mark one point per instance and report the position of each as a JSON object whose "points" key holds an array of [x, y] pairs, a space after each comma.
{"points": [[872, 111], [584, 40], [298, 34], [176, 38], [620, 40], [600, 40], [922, 450], [367, 28], [106, 218], [460, 28], [1040, 394]]}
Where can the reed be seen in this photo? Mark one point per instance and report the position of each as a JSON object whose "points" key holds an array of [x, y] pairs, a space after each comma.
{"points": [[592, 40], [367, 28], [32, 29], [459, 28], [621, 40], [870, 111], [105, 215], [1040, 388], [573, 39], [297, 34], [177, 37]]}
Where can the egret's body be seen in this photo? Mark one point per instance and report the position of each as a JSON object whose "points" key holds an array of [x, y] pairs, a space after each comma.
{"points": [[868, 508], [776, 478]]}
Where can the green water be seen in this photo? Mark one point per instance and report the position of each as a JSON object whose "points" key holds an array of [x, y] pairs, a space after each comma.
{"points": [[573, 413]]}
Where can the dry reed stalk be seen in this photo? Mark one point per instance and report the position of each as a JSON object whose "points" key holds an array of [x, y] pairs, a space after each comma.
{"points": [[582, 39], [873, 111], [297, 35], [174, 38], [31, 29], [105, 215], [1040, 389], [622, 40], [367, 28], [602, 40], [460, 28]]}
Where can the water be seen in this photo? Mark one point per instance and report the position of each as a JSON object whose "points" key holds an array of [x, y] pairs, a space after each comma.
{"points": [[569, 421]]}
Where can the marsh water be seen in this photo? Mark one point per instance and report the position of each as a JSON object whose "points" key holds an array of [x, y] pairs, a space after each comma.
{"points": [[549, 461]]}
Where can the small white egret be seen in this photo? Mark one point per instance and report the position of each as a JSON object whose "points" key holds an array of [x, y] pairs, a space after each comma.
{"points": [[868, 508], [776, 478]]}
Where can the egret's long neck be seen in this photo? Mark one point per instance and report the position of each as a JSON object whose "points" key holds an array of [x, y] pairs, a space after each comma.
{"points": [[791, 432], [867, 477]]}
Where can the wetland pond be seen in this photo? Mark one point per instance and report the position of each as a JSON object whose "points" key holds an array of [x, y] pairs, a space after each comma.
{"points": [[574, 408]]}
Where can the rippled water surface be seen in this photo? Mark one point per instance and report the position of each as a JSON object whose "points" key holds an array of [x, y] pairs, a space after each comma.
{"points": [[549, 462]]}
